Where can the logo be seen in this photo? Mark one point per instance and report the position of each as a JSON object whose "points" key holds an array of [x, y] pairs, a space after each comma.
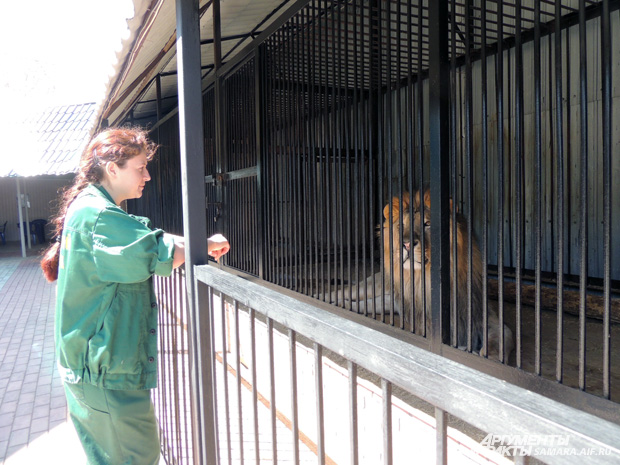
{"points": [[520, 445]]}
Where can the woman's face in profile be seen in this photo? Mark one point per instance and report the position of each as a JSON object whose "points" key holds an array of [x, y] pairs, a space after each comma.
{"points": [[131, 178]]}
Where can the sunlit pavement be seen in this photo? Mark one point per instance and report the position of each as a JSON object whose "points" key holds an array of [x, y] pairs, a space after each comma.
{"points": [[34, 425]]}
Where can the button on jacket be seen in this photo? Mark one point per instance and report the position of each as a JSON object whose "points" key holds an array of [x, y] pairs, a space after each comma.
{"points": [[106, 310]]}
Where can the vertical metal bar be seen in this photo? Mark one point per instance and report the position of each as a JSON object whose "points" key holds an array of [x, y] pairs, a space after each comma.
{"points": [[485, 180], [410, 152], [272, 392], [194, 226], [313, 155], [281, 232], [307, 150], [441, 442], [583, 269], [439, 100], [22, 233], [365, 146], [320, 416], [270, 161], [216, 416], [330, 148], [238, 370], [294, 398], [519, 153], [344, 214], [322, 156], [221, 128], [403, 187], [607, 170], [538, 180], [388, 153], [297, 118], [454, 137], [290, 160], [374, 65], [380, 128], [286, 145], [420, 143], [226, 400], [166, 384], [499, 92], [178, 331], [358, 157], [398, 135], [363, 134], [162, 359], [559, 124], [337, 111], [254, 385], [469, 167], [184, 344], [353, 415], [569, 168], [184, 365], [386, 388]]}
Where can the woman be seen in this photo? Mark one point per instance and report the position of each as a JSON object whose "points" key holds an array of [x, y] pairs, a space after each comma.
{"points": [[106, 310]]}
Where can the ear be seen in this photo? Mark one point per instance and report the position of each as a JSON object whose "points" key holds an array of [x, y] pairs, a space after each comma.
{"points": [[396, 207], [111, 168], [427, 199]]}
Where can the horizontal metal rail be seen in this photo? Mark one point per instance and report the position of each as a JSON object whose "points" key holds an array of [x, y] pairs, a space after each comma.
{"points": [[485, 402]]}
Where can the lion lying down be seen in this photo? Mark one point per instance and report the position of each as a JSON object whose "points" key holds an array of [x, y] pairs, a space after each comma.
{"points": [[398, 253]]}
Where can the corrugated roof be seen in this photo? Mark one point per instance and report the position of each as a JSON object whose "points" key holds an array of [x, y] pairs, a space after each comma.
{"points": [[51, 142], [151, 51]]}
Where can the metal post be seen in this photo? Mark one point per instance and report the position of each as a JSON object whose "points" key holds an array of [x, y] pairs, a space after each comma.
{"points": [[220, 125], [27, 228], [259, 85], [195, 228], [21, 218], [439, 118]]}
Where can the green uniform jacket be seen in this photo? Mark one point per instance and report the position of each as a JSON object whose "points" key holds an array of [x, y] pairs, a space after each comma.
{"points": [[106, 310]]}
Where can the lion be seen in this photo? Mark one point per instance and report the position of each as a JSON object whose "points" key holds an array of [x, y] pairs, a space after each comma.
{"points": [[400, 260]]}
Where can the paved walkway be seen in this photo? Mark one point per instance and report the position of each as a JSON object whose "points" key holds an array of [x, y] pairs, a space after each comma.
{"points": [[34, 426]]}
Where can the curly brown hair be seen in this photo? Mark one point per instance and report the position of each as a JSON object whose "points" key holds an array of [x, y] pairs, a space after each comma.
{"points": [[110, 145]]}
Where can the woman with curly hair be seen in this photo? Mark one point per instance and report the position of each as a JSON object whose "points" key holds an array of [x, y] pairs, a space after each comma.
{"points": [[106, 309]]}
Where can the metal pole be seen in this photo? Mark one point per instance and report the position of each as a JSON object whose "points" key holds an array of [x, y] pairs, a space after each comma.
{"points": [[195, 228], [27, 206], [439, 118], [220, 124], [21, 218]]}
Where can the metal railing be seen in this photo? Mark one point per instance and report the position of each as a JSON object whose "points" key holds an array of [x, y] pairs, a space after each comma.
{"points": [[553, 432], [172, 398]]}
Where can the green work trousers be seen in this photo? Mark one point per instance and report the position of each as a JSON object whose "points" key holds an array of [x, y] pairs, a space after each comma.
{"points": [[115, 427]]}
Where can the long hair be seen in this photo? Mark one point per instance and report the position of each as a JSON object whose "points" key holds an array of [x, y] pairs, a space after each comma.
{"points": [[111, 145]]}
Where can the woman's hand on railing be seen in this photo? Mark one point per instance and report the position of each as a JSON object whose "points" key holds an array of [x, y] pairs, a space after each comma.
{"points": [[217, 246]]}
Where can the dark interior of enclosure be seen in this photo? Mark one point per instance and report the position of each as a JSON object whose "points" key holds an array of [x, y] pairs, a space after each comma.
{"points": [[328, 119]]}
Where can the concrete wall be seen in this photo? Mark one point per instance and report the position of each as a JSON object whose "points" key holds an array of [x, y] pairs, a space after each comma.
{"points": [[42, 191]]}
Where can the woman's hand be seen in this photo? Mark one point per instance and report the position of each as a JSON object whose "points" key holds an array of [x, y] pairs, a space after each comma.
{"points": [[217, 246]]}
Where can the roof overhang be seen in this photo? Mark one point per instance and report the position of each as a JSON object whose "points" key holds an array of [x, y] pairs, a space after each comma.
{"points": [[147, 64]]}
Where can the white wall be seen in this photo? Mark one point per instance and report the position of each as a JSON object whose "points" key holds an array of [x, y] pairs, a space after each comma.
{"points": [[43, 193]]}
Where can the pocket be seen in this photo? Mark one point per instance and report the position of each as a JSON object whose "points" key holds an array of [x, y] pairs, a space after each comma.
{"points": [[95, 398], [74, 393]]}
